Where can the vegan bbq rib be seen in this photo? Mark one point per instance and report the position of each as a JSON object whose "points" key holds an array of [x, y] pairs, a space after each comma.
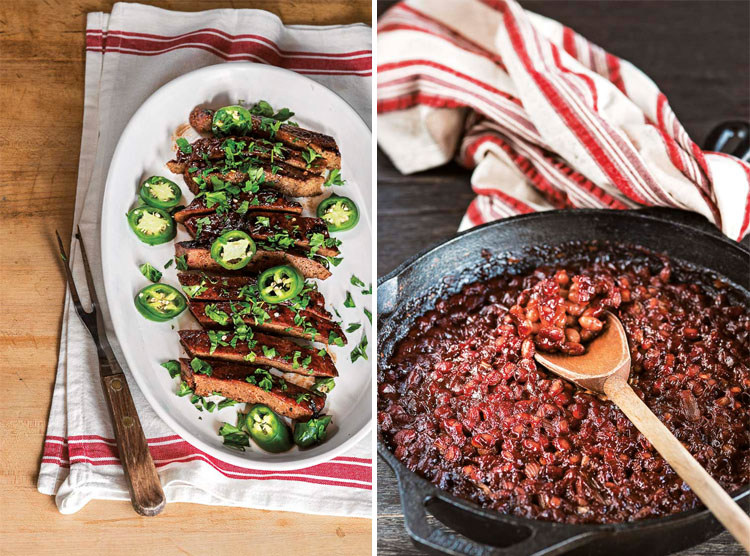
{"points": [[198, 257], [241, 383], [290, 180], [292, 137], [281, 320], [265, 199], [279, 353], [300, 231], [208, 287]]}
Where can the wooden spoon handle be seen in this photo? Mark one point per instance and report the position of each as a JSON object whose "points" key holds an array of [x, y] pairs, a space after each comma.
{"points": [[709, 491], [146, 493]]}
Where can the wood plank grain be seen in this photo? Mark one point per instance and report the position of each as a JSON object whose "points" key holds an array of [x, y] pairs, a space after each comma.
{"points": [[42, 67]]}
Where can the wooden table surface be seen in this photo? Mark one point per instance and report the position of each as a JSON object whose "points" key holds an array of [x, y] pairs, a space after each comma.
{"points": [[41, 89], [698, 55]]}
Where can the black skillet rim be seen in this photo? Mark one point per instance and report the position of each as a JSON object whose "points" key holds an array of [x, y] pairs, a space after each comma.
{"points": [[680, 519]]}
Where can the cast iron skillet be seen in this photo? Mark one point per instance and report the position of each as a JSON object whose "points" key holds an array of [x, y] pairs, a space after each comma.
{"points": [[414, 287]]}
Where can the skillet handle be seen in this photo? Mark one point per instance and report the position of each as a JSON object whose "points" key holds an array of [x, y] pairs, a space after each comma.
{"points": [[414, 500], [720, 139]]}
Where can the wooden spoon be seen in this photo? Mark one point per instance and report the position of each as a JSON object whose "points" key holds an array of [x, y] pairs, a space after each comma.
{"points": [[605, 368]]}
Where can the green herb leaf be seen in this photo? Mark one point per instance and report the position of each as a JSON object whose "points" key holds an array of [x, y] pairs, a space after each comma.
{"points": [[356, 281], [234, 437], [200, 366], [349, 301], [150, 272], [173, 367], [335, 339], [323, 385], [194, 291], [334, 178], [226, 402], [184, 146], [216, 315], [368, 314], [181, 262], [269, 353], [243, 208], [360, 350], [169, 263], [263, 221], [352, 327], [310, 155], [184, 389], [262, 108]]}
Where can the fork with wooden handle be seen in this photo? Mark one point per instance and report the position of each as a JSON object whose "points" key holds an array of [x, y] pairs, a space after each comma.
{"points": [[145, 489]]}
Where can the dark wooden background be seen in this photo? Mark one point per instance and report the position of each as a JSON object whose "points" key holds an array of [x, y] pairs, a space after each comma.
{"points": [[698, 52]]}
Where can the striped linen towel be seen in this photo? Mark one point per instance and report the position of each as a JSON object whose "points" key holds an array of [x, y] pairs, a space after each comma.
{"points": [[129, 54], [545, 118]]}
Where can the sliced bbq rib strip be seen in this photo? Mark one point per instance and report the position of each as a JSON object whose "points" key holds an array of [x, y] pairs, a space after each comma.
{"points": [[281, 320], [211, 287], [291, 181], [198, 257], [266, 200], [231, 380], [279, 353], [274, 227], [290, 136]]}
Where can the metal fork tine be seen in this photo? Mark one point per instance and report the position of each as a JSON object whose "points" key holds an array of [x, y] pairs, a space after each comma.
{"points": [[71, 283], [89, 278]]}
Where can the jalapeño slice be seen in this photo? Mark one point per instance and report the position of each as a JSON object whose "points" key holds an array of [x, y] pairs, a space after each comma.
{"points": [[233, 249], [339, 213], [280, 283], [268, 430], [152, 225], [160, 302], [160, 192], [231, 120]]}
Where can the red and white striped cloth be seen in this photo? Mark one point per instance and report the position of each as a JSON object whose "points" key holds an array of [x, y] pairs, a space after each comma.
{"points": [[129, 54], [545, 118]]}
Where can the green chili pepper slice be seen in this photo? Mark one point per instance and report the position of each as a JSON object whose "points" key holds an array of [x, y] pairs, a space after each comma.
{"points": [[268, 430], [233, 249], [152, 225], [339, 213], [311, 432], [231, 120], [160, 192], [160, 302], [280, 283]]}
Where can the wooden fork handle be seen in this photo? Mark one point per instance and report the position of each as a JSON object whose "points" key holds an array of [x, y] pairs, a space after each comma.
{"points": [[146, 493], [716, 499]]}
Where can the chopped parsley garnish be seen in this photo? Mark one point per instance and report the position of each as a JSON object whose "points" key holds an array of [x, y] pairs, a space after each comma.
{"points": [[368, 314], [335, 339], [226, 402], [234, 437], [349, 301], [310, 155], [216, 315], [352, 327], [200, 222], [303, 397], [150, 272], [269, 353], [323, 385], [173, 367], [360, 350], [168, 264], [263, 221], [334, 178], [356, 281], [200, 366], [194, 291], [184, 146], [184, 389], [181, 262]]}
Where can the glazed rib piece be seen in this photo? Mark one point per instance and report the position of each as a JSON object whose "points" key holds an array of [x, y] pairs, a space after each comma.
{"points": [[230, 288], [291, 136], [291, 181], [230, 380], [198, 257], [266, 199], [265, 226], [280, 353], [281, 320]]}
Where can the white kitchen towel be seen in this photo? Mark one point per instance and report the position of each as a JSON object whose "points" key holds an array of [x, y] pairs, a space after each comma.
{"points": [[130, 53], [544, 117]]}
